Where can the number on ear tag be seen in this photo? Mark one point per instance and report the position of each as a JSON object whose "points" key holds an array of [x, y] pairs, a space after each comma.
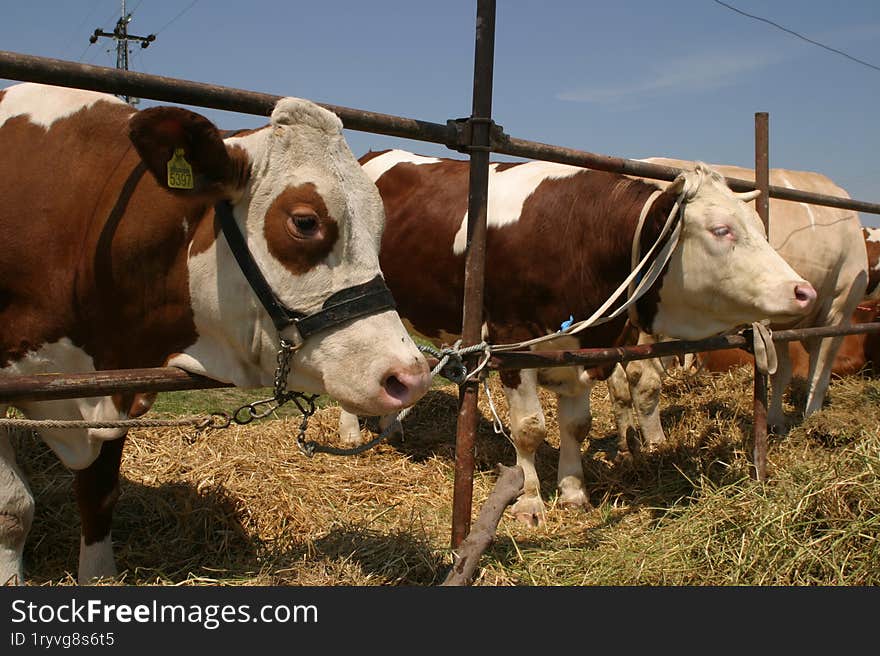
{"points": [[180, 173]]}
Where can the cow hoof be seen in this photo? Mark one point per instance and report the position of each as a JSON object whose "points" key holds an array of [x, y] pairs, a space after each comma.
{"points": [[651, 447], [778, 429], [529, 511], [351, 440], [575, 501], [10, 569]]}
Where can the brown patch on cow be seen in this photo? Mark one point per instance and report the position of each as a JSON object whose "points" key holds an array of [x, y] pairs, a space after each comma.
{"points": [[500, 167], [413, 195], [135, 404], [100, 259], [299, 252], [371, 154], [97, 491], [510, 378], [872, 249]]}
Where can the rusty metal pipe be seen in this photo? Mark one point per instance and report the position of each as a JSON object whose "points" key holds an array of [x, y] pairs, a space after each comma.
{"points": [[167, 89], [762, 205], [591, 357], [46, 387], [17, 66], [475, 260]]}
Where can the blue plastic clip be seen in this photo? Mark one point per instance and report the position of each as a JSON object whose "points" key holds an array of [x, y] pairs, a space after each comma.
{"points": [[565, 325]]}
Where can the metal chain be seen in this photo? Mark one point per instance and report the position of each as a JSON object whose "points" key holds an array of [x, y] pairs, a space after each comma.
{"points": [[280, 396], [450, 366], [282, 371]]}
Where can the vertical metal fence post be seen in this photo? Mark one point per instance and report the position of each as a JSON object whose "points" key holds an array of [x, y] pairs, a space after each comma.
{"points": [[762, 204], [472, 318]]}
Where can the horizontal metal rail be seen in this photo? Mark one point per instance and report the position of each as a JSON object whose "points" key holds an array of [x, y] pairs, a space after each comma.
{"points": [[535, 150], [187, 92], [59, 72], [594, 357], [46, 387]]}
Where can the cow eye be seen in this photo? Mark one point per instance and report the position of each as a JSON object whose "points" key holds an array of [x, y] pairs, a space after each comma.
{"points": [[721, 231], [303, 225]]}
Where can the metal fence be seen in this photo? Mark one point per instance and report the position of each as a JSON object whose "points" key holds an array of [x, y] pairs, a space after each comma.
{"points": [[477, 136]]}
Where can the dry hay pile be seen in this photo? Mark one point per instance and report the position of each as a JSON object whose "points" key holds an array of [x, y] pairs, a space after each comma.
{"points": [[244, 507]]}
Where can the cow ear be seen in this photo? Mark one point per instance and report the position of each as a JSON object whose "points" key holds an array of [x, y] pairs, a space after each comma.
{"points": [[186, 154]]}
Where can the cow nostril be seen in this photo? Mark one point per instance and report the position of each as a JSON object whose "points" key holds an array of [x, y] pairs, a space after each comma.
{"points": [[395, 388], [804, 293]]}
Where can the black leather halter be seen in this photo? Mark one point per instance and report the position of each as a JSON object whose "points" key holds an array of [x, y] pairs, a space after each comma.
{"points": [[349, 303]]}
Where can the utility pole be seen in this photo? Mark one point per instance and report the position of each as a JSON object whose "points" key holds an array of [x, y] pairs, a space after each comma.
{"points": [[122, 37]]}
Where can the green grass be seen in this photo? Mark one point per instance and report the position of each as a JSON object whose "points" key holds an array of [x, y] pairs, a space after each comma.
{"points": [[199, 402]]}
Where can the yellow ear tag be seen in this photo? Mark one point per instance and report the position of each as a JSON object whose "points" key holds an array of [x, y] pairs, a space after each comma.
{"points": [[180, 173]]}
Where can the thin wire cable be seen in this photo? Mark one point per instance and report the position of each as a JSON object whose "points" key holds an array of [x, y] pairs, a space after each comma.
{"points": [[800, 36], [106, 21], [79, 27], [186, 9]]}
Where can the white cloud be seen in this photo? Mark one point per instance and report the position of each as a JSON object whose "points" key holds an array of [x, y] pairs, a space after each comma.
{"points": [[710, 71], [684, 75]]}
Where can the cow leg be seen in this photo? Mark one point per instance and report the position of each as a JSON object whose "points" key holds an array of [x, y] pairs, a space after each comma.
{"points": [[778, 384], [350, 428], [16, 514], [628, 441], [635, 401], [822, 352], [528, 430], [575, 421], [645, 383], [97, 490]]}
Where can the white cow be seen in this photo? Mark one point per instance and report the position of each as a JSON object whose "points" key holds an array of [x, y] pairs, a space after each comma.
{"points": [[823, 244]]}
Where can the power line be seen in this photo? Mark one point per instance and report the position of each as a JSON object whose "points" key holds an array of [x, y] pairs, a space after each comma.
{"points": [[186, 9], [800, 36], [80, 26]]}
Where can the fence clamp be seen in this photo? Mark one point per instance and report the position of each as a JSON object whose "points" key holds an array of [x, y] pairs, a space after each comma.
{"points": [[468, 135]]}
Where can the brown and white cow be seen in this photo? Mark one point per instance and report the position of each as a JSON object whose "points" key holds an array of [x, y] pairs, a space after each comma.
{"points": [[105, 267], [872, 248], [825, 245], [559, 242]]}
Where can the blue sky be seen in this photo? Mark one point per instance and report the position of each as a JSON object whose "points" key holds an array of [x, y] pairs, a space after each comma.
{"points": [[631, 78]]}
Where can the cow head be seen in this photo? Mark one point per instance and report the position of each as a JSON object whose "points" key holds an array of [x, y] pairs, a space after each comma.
{"points": [[724, 273], [312, 222]]}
